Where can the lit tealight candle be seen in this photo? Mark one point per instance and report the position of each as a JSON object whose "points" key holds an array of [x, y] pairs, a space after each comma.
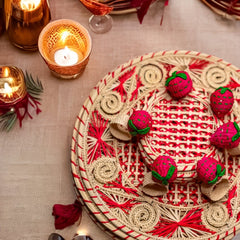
{"points": [[7, 90], [12, 85], [66, 57], [65, 46], [29, 5], [6, 81], [25, 21]]}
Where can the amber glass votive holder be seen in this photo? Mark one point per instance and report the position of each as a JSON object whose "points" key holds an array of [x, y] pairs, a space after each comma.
{"points": [[26, 20], [65, 46], [12, 85]]}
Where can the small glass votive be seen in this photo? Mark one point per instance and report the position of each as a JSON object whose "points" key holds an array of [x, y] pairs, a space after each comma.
{"points": [[65, 46], [12, 86], [25, 20]]}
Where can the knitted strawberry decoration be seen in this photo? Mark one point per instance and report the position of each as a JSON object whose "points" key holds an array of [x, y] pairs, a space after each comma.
{"points": [[221, 101], [209, 170], [226, 136], [164, 169], [140, 122], [179, 84]]}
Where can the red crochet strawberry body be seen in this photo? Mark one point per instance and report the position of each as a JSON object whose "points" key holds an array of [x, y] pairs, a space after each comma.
{"points": [[164, 169], [221, 101], [209, 170], [139, 123], [226, 136], [179, 84]]}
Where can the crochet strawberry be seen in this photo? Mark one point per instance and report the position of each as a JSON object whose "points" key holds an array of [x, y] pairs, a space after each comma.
{"points": [[221, 101], [164, 169], [226, 136], [179, 84], [140, 122], [209, 170]]}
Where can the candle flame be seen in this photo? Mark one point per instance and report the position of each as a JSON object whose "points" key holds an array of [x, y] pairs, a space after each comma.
{"points": [[29, 5], [66, 52], [64, 35], [66, 49], [8, 90], [6, 72], [81, 232]]}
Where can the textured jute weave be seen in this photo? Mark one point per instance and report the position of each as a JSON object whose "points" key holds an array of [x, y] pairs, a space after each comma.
{"points": [[109, 173]]}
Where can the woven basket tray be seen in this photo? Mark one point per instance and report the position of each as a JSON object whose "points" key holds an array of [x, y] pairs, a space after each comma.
{"points": [[109, 173], [229, 9]]}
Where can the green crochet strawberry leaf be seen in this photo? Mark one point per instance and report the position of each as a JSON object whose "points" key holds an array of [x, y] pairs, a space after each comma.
{"points": [[224, 89], [131, 125], [137, 131], [175, 75], [219, 173], [143, 131], [237, 135], [164, 180], [159, 177]]}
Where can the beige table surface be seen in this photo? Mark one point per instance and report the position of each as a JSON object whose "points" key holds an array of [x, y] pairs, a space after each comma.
{"points": [[35, 169]]}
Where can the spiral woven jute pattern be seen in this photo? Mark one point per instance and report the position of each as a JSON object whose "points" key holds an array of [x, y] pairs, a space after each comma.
{"points": [[108, 173]]}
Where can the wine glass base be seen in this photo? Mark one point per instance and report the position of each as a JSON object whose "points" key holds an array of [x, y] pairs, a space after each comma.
{"points": [[100, 23]]}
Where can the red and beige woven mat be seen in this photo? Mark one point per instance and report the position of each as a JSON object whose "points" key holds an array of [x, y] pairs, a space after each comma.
{"points": [[108, 173]]}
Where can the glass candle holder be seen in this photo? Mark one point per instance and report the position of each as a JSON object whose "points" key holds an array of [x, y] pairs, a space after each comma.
{"points": [[65, 46], [12, 85], [25, 21], [81, 237]]}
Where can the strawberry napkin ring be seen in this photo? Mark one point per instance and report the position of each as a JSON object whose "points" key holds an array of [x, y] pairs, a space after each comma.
{"points": [[211, 173], [164, 171], [138, 124]]}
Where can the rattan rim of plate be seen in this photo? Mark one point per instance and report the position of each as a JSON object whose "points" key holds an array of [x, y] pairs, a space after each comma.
{"points": [[220, 12], [83, 196], [91, 205], [110, 225]]}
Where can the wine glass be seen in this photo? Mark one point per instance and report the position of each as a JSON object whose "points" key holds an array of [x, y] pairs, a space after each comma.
{"points": [[100, 21]]}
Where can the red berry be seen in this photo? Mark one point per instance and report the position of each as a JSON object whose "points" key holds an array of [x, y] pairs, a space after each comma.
{"points": [[140, 122], [164, 169], [209, 170], [226, 136], [221, 101], [179, 84]]}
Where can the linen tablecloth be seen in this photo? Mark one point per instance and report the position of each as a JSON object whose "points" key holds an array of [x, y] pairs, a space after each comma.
{"points": [[35, 169]]}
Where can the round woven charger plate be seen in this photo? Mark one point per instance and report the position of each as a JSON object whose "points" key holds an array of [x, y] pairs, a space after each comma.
{"points": [[108, 173], [224, 8]]}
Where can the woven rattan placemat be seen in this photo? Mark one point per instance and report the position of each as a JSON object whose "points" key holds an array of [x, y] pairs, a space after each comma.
{"points": [[108, 173]]}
